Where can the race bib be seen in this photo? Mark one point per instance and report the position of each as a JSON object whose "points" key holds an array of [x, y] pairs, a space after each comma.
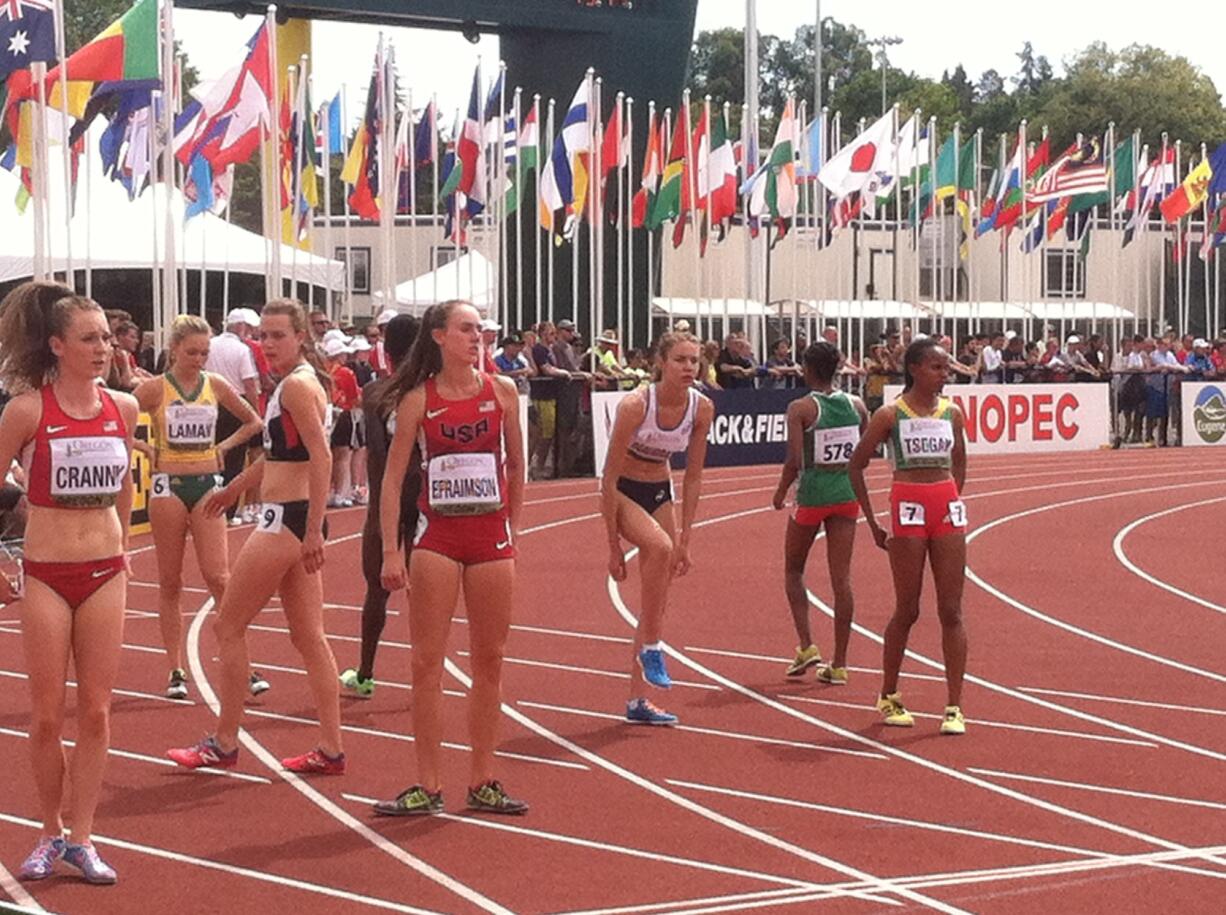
{"points": [[464, 484], [191, 427], [161, 486], [926, 440], [957, 513], [835, 446], [87, 471], [910, 514], [270, 518]]}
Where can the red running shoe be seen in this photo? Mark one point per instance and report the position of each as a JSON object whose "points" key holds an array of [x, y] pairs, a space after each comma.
{"points": [[206, 753], [317, 762]]}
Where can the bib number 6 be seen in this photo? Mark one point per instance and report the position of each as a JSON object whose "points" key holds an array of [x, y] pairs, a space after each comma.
{"points": [[270, 518], [161, 486]]}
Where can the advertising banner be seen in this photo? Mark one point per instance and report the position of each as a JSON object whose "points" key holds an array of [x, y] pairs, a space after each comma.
{"points": [[1204, 413]]}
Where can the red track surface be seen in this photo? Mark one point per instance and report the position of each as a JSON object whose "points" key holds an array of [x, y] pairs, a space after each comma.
{"points": [[1089, 779]]}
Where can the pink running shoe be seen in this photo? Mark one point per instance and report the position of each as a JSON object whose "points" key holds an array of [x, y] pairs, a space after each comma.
{"points": [[317, 762], [206, 753]]}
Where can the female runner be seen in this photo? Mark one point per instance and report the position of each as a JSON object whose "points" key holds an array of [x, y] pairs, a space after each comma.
{"points": [[186, 467], [380, 420], [927, 447], [285, 553], [75, 438], [823, 430], [471, 494], [653, 424]]}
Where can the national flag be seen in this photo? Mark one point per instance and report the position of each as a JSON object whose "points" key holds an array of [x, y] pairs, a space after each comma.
{"points": [[425, 137], [124, 144], [988, 207], [811, 161], [530, 138], [1034, 233], [694, 185], [494, 106], [469, 146], [1189, 195], [614, 155], [1217, 164], [1008, 210], [27, 34], [330, 121], [864, 163], [721, 180], [773, 191], [564, 176], [1079, 170], [667, 204], [361, 170], [1215, 231], [645, 196], [1122, 180], [198, 189], [1156, 181], [305, 181]]}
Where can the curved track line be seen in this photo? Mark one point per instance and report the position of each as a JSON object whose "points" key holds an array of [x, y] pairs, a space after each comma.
{"points": [[314, 795], [17, 892], [1069, 627], [1118, 546]]}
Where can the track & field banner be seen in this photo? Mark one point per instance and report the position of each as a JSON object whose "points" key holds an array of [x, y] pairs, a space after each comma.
{"points": [[1204, 413], [1013, 418]]}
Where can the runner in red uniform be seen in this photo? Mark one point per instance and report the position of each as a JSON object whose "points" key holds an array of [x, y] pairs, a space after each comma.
{"points": [[76, 441], [472, 490]]}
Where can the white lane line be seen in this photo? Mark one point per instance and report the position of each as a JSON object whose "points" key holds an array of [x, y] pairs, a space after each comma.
{"points": [[1003, 725], [596, 672], [725, 653], [1117, 545], [1070, 627], [152, 760], [393, 684], [408, 738], [1100, 789], [1119, 700], [659, 908], [710, 732], [383, 643], [878, 884], [791, 883], [315, 796], [262, 876], [17, 892], [134, 694]]}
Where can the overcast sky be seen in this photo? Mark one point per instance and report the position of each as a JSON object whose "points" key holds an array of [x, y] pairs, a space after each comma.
{"points": [[936, 36]]}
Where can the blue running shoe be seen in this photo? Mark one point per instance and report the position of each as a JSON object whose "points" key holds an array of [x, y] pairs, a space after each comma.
{"points": [[644, 711], [41, 862], [652, 662], [85, 859]]}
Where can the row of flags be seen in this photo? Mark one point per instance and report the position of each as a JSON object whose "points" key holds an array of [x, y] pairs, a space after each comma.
{"points": [[693, 172]]}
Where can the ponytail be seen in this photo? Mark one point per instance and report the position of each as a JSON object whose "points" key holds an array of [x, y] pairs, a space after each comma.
{"points": [[30, 316]]}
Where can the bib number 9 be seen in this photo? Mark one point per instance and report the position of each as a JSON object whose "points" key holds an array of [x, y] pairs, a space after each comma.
{"points": [[161, 486], [270, 518], [910, 514]]}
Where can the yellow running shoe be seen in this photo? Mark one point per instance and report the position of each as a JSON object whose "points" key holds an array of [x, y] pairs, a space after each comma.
{"points": [[893, 712], [953, 722], [835, 676], [805, 658]]}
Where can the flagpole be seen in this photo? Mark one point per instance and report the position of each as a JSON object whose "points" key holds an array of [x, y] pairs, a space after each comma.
{"points": [[665, 152], [595, 211], [170, 301], [65, 147], [154, 276], [498, 179], [326, 138], [347, 302], [274, 150], [976, 210], [532, 208], [620, 108], [295, 78], [225, 275], [411, 167], [1178, 230], [517, 117], [626, 221], [388, 183], [549, 232], [89, 216]]}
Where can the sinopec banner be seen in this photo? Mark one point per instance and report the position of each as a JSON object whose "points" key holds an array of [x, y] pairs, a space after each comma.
{"points": [[1012, 418], [1204, 413]]}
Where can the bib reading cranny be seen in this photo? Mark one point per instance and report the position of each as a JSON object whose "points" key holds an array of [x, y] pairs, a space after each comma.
{"points": [[464, 484], [87, 472]]}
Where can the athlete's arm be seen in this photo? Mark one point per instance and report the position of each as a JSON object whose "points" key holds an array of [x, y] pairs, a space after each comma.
{"points": [[148, 396], [879, 428], [409, 415], [130, 411], [220, 500], [251, 426], [802, 413], [513, 439], [630, 414], [959, 454], [299, 397], [376, 445], [18, 424], [695, 457]]}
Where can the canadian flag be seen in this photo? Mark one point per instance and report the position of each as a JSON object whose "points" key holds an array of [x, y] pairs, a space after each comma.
{"points": [[864, 163]]}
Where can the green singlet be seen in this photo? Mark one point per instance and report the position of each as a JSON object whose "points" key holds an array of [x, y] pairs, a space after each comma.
{"points": [[828, 445]]}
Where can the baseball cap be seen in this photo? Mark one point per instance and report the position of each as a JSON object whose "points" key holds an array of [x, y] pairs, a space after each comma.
{"points": [[609, 337], [1199, 342], [489, 324], [242, 316], [1074, 339], [359, 344], [565, 324], [1010, 334], [334, 334], [337, 346], [386, 315], [512, 340]]}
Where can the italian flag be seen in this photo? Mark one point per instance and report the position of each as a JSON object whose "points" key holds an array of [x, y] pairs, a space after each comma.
{"points": [[645, 196], [721, 177]]}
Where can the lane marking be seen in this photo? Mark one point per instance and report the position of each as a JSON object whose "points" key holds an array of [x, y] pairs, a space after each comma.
{"points": [[262, 876], [1167, 706], [17, 892], [315, 796], [1117, 545], [1056, 732], [393, 684], [570, 668], [408, 738], [131, 693], [1101, 789], [745, 656], [694, 729], [629, 851], [152, 760]]}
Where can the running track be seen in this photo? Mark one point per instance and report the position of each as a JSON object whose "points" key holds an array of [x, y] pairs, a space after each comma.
{"points": [[1090, 779]]}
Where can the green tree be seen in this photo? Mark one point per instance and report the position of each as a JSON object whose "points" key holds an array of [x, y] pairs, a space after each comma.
{"points": [[1034, 72], [962, 88]]}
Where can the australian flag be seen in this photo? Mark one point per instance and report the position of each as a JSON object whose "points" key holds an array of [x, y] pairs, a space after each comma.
{"points": [[27, 34]]}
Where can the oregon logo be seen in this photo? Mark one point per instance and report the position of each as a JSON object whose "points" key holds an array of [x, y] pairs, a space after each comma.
{"points": [[1209, 414]]}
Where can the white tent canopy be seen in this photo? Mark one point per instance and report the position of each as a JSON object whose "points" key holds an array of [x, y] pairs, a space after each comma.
{"points": [[470, 277], [850, 309], [1044, 311], [693, 308], [114, 232]]}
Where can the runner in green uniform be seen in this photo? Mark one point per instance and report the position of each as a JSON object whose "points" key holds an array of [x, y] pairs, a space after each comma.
{"points": [[823, 429]]}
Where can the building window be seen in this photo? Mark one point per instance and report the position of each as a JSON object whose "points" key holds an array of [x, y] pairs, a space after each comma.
{"points": [[1065, 277], [359, 268], [442, 255]]}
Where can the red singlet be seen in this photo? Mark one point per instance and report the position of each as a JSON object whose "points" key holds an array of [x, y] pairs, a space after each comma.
{"points": [[77, 463]]}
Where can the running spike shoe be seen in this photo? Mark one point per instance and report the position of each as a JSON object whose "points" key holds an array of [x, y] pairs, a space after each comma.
{"points": [[834, 676], [411, 802], [316, 762], [85, 859], [258, 683], [805, 658], [644, 711], [893, 712], [176, 686], [41, 862], [953, 722], [490, 798], [353, 684], [206, 753], [652, 662]]}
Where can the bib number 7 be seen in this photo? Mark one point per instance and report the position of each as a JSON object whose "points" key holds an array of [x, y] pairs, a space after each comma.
{"points": [[910, 514], [957, 513]]}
